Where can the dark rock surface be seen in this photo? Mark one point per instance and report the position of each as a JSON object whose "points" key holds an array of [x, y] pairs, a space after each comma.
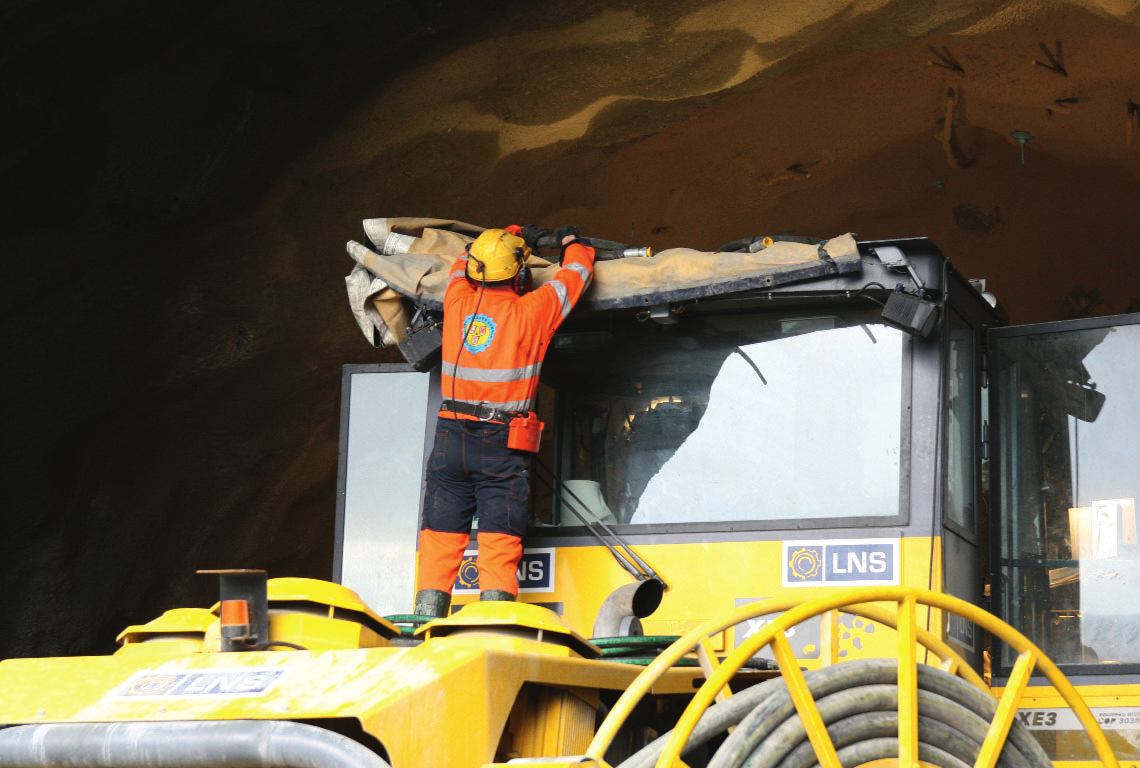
{"points": [[178, 181], [173, 376]]}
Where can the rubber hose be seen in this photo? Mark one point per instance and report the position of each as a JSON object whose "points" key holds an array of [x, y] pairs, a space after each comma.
{"points": [[771, 734], [858, 701], [802, 239], [769, 747], [957, 730], [737, 246], [779, 707], [741, 245], [713, 722], [879, 749], [549, 241], [977, 701], [875, 725], [938, 701]]}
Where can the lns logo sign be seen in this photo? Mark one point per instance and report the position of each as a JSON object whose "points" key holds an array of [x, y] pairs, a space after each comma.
{"points": [[851, 562], [535, 572]]}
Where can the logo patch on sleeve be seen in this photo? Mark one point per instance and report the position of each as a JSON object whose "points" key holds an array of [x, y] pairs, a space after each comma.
{"points": [[480, 333]]}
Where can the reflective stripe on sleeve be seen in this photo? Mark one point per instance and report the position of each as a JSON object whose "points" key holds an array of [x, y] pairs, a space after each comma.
{"points": [[582, 270], [560, 289], [456, 274], [490, 374]]}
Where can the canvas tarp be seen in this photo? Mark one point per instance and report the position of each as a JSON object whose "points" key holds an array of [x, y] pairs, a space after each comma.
{"points": [[407, 261]]}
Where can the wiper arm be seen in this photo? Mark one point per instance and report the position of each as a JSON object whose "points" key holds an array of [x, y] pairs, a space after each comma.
{"points": [[622, 552]]}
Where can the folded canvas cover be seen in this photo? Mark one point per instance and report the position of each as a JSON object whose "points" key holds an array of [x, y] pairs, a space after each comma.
{"points": [[407, 261]]}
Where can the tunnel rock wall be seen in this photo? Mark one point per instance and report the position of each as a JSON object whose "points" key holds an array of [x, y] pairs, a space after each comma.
{"points": [[181, 180]]}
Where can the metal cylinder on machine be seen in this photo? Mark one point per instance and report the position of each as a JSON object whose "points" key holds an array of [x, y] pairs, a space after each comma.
{"points": [[622, 611], [243, 609], [644, 252], [182, 744]]}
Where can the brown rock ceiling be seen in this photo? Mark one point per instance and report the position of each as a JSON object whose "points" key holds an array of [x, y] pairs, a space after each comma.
{"points": [[179, 183]]}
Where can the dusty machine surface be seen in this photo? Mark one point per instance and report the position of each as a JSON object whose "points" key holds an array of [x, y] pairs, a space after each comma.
{"points": [[822, 509]]}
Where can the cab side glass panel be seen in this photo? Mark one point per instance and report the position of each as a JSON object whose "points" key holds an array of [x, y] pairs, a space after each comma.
{"points": [[961, 423], [1068, 441]]}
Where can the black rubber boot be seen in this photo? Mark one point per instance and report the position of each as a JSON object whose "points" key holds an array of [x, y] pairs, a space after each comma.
{"points": [[432, 602], [497, 594]]}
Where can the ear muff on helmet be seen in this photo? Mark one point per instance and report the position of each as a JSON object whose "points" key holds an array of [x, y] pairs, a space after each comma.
{"points": [[500, 253], [523, 279]]}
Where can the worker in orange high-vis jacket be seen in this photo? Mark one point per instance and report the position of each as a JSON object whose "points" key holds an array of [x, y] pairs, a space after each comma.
{"points": [[495, 335]]}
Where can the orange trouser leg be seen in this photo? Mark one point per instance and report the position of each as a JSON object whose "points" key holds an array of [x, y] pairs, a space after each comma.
{"points": [[499, 555], [440, 557]]}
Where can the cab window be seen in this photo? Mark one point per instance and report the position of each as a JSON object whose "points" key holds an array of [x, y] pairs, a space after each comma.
{"points": [[723, 419]]}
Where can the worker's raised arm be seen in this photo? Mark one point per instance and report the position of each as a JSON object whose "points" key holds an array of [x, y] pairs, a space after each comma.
{"points": [[557, 297], [456, 282]]}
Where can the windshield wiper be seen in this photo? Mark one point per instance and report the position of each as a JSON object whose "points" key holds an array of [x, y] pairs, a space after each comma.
{"points": [[622, 552]]}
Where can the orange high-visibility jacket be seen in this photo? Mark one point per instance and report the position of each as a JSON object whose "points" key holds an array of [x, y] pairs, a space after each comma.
{"points": [[506, 336]]}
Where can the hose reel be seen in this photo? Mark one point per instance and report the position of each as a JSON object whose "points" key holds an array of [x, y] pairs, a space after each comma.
{"points": [[858, 702], [903, 711]]}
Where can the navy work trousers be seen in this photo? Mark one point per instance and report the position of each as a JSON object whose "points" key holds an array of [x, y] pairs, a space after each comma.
{"points": [[472, 471]]}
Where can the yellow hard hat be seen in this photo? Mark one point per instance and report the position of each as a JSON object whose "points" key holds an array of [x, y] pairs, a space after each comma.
{"points": [[496, 255]]}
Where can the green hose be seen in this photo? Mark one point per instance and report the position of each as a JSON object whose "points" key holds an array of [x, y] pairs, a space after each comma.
{"points": [[408, 623], [642, 650], [633, 646], [645, 661]]}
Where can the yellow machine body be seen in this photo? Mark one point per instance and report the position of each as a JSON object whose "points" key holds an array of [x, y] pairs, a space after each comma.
{"points": [[584, 576], [177, 631], [864, 551], [1049, 718], [478, 689], [495, 681]]}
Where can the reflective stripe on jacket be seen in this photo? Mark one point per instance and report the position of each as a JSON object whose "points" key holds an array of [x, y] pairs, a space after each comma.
{"points": [[506, 334]]}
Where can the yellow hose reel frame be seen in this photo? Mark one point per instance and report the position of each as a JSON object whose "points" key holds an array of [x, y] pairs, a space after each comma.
{"points": [[858, 602]]}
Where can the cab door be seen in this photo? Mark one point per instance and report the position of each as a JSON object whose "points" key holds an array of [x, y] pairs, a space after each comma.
{"points": [[961, 473], [1065, 408], [387, 411]]}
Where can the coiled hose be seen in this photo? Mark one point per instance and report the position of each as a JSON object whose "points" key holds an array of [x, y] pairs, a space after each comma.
{"points": [[858, 701]]}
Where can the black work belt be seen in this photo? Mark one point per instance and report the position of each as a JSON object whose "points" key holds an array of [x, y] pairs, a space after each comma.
{"points": [[483, 412]]}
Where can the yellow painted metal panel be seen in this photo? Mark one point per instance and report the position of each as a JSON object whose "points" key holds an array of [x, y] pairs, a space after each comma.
{"points": [[321, 633], [176, 620], [549, 721], [907, 683], [396, 693], [1047, 716], [1007, 708], [706, 579]]}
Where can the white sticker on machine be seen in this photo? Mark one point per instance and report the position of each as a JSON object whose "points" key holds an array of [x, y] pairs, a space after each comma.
{"points": [[1064, 719], [238, 681], [840, 562], [961, 631]]}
